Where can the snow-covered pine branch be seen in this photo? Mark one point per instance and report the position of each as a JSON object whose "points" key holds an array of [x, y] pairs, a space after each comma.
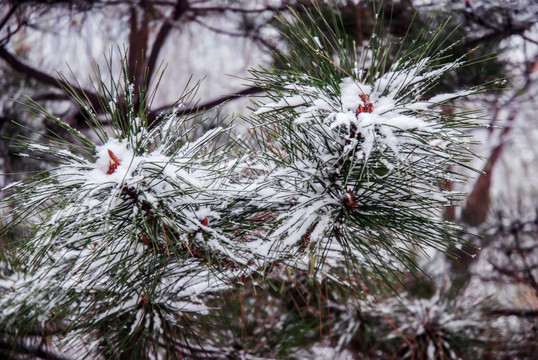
{"points": [[358, 161], [128, 235]]}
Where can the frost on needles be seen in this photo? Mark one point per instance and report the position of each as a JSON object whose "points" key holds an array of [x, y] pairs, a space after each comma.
{"points": [[344, 173]]}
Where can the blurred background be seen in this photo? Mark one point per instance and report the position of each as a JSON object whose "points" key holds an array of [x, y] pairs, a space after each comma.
{"points": [[217, 41]]}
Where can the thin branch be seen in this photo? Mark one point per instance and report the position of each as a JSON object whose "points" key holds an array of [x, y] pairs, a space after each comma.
{"points": [[252, 35], [529, 39], [50, 96], [211, 104], [154, 113], [9, 14], [201, 10], [45, 78], [38, 352], [10, 32], [512, 312]]}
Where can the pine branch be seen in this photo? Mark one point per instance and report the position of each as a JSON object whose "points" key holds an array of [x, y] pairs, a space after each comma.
{"points": [[341, 180]]}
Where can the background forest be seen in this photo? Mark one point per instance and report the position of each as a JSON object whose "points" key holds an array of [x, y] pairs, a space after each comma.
{"points": [[228, 63]]}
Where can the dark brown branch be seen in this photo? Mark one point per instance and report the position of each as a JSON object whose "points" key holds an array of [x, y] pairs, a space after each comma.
{"points": [[493, 35], [529, 39], [211, 104], [55, 96], [476, 207], [220, 9], [10, 32], [8, 15], [154, 113], [179, 9], [512, 312], [45, 78], [9, 349], [138, 41]]}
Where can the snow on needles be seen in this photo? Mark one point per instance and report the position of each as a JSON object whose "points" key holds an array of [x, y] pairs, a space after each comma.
{"points": [[144, 225], [362, 154], [136, 218], [389, 115]]}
